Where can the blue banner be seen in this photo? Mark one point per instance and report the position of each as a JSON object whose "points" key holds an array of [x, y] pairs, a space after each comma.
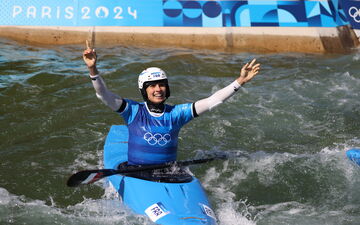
{"points": [[81, 12], [352, 11], [181, 13]]}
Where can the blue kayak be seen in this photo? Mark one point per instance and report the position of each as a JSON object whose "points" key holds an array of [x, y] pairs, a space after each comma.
{"points": [[354, 155], [168, 202]]}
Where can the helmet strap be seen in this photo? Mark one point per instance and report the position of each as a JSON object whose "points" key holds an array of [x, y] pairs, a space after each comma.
{"points": [[155, 108]]}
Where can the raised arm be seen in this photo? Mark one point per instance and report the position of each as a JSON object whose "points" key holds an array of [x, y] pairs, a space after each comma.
{"points": [[107, 97], [247, 72]]}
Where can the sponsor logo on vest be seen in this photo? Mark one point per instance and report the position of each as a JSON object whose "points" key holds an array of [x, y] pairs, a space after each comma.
{"points": [[157, 138]]}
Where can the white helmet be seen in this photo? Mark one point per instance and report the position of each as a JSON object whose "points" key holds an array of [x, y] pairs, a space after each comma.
{"points": [[151, 74]]}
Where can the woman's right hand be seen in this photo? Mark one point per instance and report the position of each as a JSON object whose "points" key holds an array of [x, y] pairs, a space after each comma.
{"points": [[89, 56]]}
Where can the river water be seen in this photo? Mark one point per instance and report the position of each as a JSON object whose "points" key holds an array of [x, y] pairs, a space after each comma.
{"points": [[286, 133]]}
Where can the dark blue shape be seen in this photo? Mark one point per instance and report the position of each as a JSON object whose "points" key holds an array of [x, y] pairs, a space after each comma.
{"points": [[172, 12], [192, 22], [296, 8], [271, 16], [172, 8], [227, 20], [122, 188], [289, 2], [325, 12], [264, 24], [191, 5], [212, 9], [351, 18], [314, 21], [342, 17], [340, 11], [192, 16], [192, 9], [234, 6]]}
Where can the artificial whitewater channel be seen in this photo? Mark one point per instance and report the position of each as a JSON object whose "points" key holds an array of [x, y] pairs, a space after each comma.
{"points": [[294, 122], [286, 132]]}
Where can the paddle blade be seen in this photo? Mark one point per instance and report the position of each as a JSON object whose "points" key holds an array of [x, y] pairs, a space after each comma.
{"points": [[87, 177]]}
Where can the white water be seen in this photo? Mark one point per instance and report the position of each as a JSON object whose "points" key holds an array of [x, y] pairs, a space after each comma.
{"points": [[295, 121]]}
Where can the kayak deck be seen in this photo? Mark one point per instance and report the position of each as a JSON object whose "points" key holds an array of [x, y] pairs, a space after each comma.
{"points": [[167, 175], [163, 202]]}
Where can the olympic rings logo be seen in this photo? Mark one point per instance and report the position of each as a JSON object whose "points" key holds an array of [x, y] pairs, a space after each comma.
{"points": [[355, 13], [157, 138]]}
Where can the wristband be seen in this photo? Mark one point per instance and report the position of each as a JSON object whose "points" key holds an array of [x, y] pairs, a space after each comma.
{"points": [[236, 85], [93, 77]]}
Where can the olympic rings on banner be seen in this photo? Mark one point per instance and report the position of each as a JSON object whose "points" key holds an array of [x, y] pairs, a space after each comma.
{"points": [[355, 14], [157, 138]]}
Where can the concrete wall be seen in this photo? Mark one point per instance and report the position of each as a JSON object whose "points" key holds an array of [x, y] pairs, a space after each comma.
{"points": [[235, 39]]}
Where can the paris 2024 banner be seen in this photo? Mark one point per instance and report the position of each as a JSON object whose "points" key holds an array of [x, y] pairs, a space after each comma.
{"points": [[160, 13]]}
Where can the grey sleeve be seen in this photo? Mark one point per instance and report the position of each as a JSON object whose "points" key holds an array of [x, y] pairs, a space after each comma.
{"points": [[102, 92]]}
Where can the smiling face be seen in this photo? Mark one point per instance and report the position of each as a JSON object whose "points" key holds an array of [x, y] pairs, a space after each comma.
{"points": [[156, 92]]}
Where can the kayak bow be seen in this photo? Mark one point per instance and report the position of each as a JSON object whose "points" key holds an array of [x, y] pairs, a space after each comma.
{"points": [[354, 155], [181, 202]]}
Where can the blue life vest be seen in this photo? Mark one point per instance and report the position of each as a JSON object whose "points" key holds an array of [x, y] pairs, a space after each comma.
{"points": [[152, 139]]}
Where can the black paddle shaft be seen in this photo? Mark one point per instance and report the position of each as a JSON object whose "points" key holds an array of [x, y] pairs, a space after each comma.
{"points": [[91, 176]]}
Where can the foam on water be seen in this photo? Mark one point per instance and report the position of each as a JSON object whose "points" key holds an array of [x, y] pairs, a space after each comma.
{"points": [[295, 122], [104, 211], [228, 210], [337, 190]]}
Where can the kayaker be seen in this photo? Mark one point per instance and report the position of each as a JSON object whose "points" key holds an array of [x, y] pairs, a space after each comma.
{"points": [[153, 125]]}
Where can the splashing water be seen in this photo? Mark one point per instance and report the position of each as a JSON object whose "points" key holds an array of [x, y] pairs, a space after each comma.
{"points": [[286, 132]]}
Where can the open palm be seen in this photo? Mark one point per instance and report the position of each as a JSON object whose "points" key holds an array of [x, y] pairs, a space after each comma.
{"points": [[248, 72]]}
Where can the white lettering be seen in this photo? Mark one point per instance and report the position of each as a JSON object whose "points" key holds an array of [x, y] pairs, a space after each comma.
{"points": [[102, 12], [46, 11], [118, 10], [16, 10], [85, 11], [31, 11], [134, 13], [69, 12], [58, 12]]}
